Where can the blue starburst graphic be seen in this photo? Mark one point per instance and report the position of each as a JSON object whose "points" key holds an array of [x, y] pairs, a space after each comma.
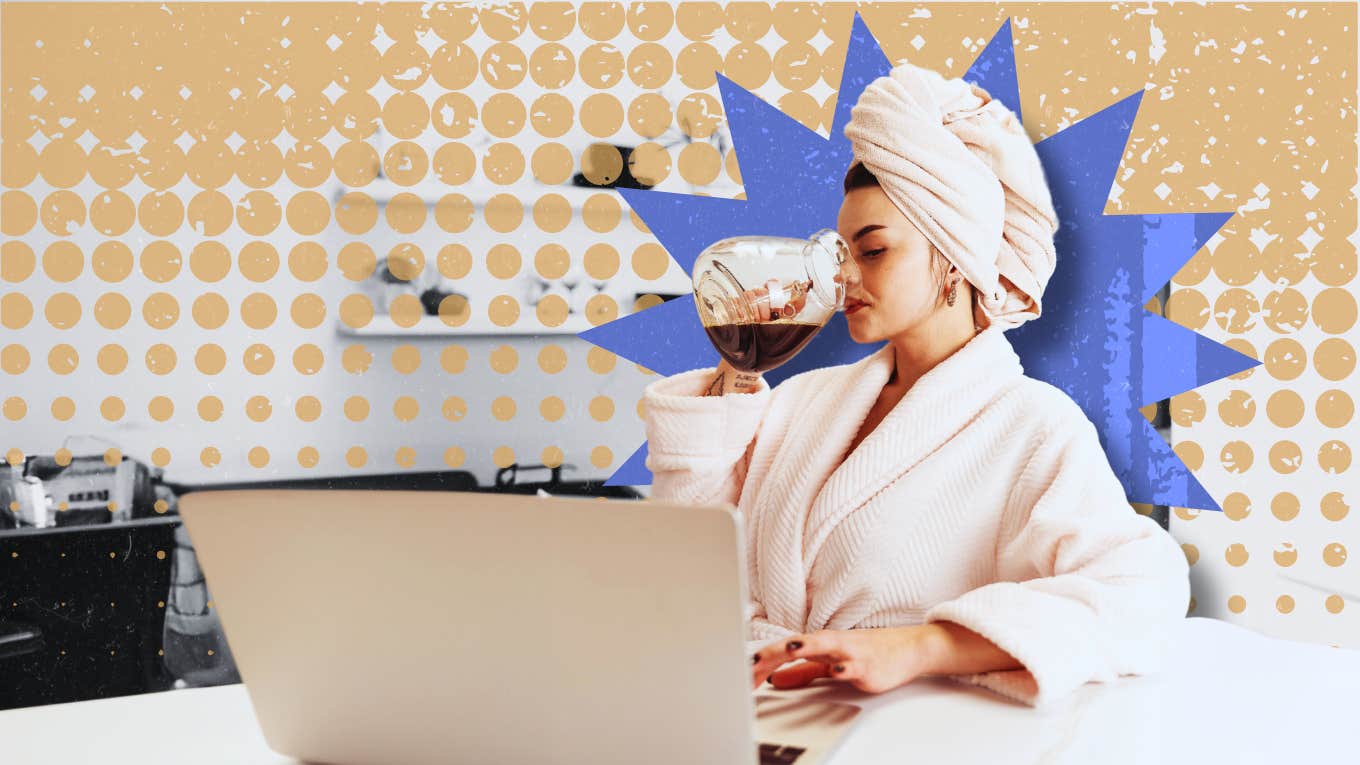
{"points": [[1095, 340]]}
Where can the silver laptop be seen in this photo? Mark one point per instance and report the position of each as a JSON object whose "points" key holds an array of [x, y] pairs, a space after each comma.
{"points": [[412, 627]]}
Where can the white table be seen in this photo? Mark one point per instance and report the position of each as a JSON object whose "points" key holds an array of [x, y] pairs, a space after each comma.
{"points": [[1228, 695]]}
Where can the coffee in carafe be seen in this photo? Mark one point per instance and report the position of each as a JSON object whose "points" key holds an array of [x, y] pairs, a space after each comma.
{"points": [[762, 299]]}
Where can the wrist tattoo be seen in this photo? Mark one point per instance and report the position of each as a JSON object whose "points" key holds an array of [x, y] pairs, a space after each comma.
{"points": [[738, 381], [716, 387], [745, 381]]}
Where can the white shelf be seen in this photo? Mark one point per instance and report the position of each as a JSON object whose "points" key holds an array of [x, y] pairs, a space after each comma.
{"points": [[382, 190], [433, 326]]}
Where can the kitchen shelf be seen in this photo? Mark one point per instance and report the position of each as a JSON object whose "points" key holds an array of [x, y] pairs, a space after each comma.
{"points": [[381, 190], [433, 326]]}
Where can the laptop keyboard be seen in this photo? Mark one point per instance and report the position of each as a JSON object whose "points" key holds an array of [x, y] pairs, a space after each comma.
{"points": [[774, 754]]}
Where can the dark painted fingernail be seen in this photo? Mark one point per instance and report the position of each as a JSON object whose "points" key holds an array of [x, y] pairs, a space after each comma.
{"points": [[838, 668], [755, 658], [794, 645]]}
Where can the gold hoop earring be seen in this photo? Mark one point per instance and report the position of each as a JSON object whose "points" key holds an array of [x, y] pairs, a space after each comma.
{"points": [[953, 294]]}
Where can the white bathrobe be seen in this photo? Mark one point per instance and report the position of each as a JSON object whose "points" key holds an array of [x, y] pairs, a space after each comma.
{"points": [[983, 498]]}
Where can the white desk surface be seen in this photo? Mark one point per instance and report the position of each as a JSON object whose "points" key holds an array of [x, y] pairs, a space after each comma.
{"points": [[1228, 695]]}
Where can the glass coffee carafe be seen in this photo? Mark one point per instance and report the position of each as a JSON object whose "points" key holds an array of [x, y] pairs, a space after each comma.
{"points": [[761, 299]]}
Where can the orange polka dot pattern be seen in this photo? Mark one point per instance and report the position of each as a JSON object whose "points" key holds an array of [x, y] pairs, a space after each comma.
{"points": [[191, 230], [1277, 283]]}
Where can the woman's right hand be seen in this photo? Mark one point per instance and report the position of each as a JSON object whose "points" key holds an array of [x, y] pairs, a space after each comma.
{"points": [[794, 298], [729, 379]]}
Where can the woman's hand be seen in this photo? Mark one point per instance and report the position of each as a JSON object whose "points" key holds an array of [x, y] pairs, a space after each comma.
{"points": [[787, 303], [879, 659], [873, 660]]}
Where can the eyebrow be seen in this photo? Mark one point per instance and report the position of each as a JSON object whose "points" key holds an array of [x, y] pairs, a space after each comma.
{"points": [[865, 230]]}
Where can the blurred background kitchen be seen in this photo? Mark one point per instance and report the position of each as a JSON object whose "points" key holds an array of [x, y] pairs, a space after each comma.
{"points": [[316, 246]]}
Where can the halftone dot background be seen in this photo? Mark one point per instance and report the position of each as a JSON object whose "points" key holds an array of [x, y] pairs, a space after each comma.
{"points": [[213, 216]]}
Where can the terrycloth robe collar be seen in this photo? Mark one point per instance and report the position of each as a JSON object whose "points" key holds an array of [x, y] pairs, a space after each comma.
{"points": [[807, 493]]}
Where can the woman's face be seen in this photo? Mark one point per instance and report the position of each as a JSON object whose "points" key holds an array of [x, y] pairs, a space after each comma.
{"points": [[896, 290]]}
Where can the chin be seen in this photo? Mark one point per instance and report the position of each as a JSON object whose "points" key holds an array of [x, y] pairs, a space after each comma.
{"points": [[862, 334]]}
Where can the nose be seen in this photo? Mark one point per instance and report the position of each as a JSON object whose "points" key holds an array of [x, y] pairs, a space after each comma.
{"points": [[848, 274]]}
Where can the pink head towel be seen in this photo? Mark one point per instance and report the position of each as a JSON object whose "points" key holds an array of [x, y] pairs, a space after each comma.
{"points": [[961, 168]]}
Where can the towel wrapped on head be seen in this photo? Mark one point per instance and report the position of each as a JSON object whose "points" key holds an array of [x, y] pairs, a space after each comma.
{"points": [[961, 168]]}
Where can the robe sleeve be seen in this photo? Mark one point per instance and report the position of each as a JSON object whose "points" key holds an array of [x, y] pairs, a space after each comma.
{"points": [[698, 445], [1088, 590], [761, 630]]}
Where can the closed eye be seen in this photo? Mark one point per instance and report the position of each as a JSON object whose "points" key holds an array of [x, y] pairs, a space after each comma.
{"points": [[873, 253]]}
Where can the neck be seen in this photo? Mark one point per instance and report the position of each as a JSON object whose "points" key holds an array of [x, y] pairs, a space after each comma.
{"points": [[917, 350]]}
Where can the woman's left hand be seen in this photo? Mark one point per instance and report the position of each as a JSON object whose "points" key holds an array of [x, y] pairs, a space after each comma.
{"points": [[873, 660]]}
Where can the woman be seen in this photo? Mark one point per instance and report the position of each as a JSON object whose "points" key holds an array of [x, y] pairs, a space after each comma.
{"points": [[929, 509]]}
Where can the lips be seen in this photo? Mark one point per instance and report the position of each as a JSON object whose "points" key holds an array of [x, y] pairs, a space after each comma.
{"points": [[853, 305]]}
